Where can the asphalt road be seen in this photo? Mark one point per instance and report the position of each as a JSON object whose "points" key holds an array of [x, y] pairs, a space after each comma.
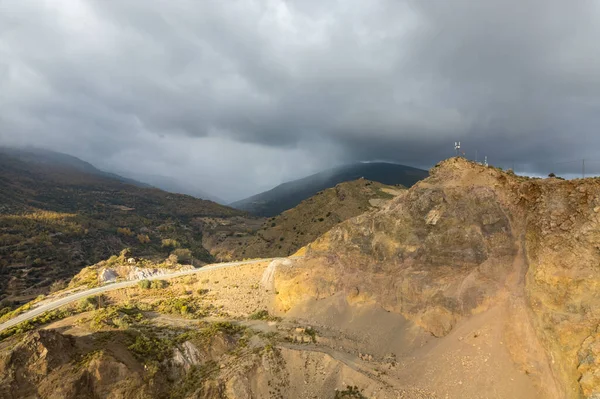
{"points": [[115, 286]]}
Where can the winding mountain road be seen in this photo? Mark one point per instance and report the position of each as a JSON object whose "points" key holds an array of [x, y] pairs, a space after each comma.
{"points": [[46, 307]]}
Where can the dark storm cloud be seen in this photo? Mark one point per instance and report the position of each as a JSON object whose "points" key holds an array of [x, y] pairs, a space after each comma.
{"points": [[236, 96]]}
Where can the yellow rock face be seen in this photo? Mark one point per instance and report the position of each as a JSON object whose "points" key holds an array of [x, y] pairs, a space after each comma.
{"points": [[464, 240]]}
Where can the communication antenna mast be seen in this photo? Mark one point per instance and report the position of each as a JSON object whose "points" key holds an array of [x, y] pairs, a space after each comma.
{"points": [[485, 161], [457, 147]]}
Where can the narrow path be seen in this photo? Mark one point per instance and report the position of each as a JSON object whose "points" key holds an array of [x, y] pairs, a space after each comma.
{"points": [[116, 286]]}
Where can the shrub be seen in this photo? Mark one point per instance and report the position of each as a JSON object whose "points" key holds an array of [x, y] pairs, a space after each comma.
{"points": [[172, 259], [58, 285], [90, 303], [149, 348], [144, 284], [350, 392], [143, 238], [124, 231], [112, 260], [263, 315], [259, 315], [159, 284], [115, 317], [169, 243], [183, 254], [312, 333]]}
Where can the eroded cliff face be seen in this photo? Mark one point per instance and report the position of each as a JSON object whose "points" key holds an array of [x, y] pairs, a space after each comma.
{"points": [[468, 239], [48, 364]]}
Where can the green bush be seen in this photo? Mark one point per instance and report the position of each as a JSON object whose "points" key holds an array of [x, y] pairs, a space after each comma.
{"points": [[87, 304], [169, 243], [149, 347], [143, 238], [159, 284], [115, 317], [350, 392], [263, 315], [259, 315], [312, 333], [183, 254], [144, 284]]}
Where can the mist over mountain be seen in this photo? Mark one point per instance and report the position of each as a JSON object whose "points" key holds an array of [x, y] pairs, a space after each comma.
{"points": [[176, 185]]}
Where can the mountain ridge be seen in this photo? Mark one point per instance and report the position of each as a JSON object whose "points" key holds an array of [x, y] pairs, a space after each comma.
{"points": [[287, 195], [284, 234]]}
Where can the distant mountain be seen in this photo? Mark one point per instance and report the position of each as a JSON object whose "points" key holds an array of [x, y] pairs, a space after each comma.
{"points": [[174, 186], [59, 214], [288, 195]]}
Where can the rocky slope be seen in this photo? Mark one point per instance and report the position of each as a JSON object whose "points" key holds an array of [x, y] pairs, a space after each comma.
{"points": [[284, 234], [471, 240], [193, 338]]}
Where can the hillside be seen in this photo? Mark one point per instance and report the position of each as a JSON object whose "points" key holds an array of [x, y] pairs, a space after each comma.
{"points": [[508, 260], [290, 194], [206, 336], [59, 214], [53, 159], [473, 283], [284, 234]]}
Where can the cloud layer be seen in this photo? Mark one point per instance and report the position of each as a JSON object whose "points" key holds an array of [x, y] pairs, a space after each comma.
{"points": [[237, 96]]}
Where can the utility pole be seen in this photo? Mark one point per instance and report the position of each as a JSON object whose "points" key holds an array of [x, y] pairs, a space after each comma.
{"points": [[583, 168], [475, 155]]}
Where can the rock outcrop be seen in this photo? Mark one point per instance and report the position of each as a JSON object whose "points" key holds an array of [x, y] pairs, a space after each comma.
{"points": [[467, 239]]}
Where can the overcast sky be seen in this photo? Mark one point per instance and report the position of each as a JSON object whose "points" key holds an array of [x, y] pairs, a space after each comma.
{"points": [[237, 96]]}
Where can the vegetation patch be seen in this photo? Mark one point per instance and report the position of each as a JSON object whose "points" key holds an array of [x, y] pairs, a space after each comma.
{"points": [[36, 322], [194, 379], [119, 317], [263, 315], [350, 392], [312, 333]]}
